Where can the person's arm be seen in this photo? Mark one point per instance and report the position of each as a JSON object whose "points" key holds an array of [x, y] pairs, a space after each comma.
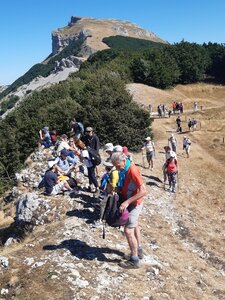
{"points": [[141, 193], [40, 134]]}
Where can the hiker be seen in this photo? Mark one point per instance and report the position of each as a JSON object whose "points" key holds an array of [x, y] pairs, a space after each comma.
{"points": [[189, 124], [65, 163], [194, 124], [86, 159], [172, 142], [63, 144], [91, 139], [195, 106], [77, 129], [51, 183], [108, 148], [178, 121], [45, 138], [108, 187], [53, 135], [131, 189], [167, 156], [150, 151], [171, 170], [186, 145], [169, 113]]}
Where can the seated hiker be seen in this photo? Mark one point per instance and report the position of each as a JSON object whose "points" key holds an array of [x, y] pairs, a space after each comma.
{"points": [[53, 135], [51, 183], [65, 163], [108, 187], [86, 159], [171, 170], [45, 138]]}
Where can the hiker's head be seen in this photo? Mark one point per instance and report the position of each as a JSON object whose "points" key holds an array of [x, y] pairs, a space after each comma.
{"points": [[63, 137], [147, 139], [125, 150], [64, 153], [172, 155], [109, 148], [45, 129], [118, 159], [118, 149], [89, 131]]}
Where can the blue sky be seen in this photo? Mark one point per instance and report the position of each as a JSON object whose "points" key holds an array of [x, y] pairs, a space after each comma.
{"points": [[26, 25]]}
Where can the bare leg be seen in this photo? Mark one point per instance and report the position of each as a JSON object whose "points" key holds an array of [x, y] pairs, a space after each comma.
{"points": [[132, 241], [137, 233]]}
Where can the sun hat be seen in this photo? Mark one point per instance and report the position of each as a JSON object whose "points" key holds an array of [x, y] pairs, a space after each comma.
{"points": [[64, 152], [172, 154], [118, 148], [109, 147], [148, 138], [108, 163], [51, 163]]}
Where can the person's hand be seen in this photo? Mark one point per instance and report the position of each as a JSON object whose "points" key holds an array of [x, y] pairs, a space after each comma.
{"points": [[124, 206]]}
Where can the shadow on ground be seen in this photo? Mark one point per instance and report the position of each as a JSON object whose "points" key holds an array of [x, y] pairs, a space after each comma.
{"points": [[83, 251]]}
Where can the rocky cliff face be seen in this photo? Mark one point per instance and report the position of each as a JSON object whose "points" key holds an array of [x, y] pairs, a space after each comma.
{"points": [[95, 30]]}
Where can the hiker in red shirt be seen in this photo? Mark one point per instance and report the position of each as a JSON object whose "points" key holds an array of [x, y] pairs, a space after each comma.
{"points": [[171, 170], [131, 189]]}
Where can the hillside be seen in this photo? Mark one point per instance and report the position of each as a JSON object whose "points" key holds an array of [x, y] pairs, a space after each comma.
{"points": [[183, 234]]}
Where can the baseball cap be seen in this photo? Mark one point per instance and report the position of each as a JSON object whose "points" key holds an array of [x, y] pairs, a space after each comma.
{"points": [[64, 152]]}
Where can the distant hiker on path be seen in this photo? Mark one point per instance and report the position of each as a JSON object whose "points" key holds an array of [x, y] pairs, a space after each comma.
{"points": [[178, 121], [195, 106], [172, 143], [171, 170], [150, 151], [186, 145], [132, 189]]}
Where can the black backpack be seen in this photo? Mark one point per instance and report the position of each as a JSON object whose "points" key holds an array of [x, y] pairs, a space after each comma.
{"points": [[112, 214], [95, 156]]}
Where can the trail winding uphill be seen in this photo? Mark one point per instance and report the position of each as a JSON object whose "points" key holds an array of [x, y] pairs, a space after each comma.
{"points": [[183, 233]]}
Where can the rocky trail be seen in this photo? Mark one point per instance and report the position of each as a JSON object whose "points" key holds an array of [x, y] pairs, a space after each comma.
{"points": [[65, 257]]}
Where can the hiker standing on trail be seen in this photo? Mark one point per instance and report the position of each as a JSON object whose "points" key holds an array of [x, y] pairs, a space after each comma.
{"points": [[195, 106], [172, 143], [86, 159], [194, 124], [178, 121], [132, 190], [186, 145], [167, 156], [171, 170], [150, 151], [189, 124]]}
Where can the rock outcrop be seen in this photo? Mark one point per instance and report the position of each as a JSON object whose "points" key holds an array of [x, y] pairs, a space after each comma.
{"points": [[94, 30]]}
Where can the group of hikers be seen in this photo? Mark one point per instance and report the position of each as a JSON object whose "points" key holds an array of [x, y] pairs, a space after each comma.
{"points": [[121, 181]]}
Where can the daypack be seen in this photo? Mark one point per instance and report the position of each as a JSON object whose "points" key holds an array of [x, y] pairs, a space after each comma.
{"points": [[94, 156], [112, 214], [81, 127]]}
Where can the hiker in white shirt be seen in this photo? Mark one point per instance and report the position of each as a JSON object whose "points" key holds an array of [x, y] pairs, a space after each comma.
{"points": [[150, 150]]}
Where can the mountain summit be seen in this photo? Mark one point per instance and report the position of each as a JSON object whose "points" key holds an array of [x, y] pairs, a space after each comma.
{"points": [[94, 30]]}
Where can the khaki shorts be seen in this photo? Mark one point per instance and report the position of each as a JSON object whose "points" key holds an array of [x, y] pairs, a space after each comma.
{"points": [[134, 212]]}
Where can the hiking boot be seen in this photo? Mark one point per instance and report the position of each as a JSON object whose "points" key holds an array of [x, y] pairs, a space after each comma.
{"points": [[130, 264]]}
